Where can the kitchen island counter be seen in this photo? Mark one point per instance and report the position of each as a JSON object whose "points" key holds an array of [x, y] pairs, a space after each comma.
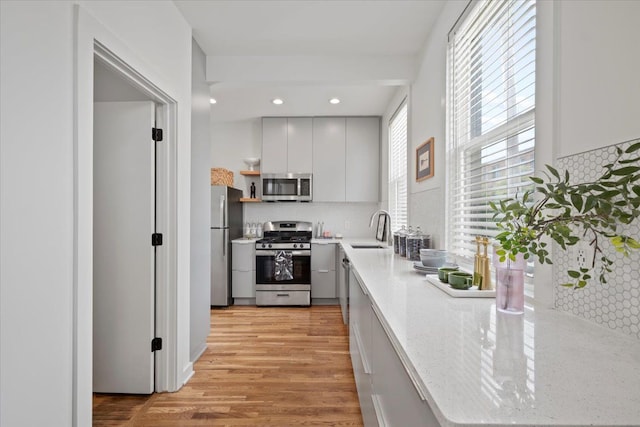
{"points": [[476, 366]]}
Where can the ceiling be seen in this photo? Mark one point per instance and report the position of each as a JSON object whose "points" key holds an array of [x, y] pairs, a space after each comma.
{"points": [[306, 52]]}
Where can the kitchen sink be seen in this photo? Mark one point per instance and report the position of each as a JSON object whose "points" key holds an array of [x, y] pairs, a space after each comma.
{"points": [[367, 246]]}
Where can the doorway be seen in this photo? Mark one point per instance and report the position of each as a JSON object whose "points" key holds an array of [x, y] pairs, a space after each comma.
{"points": [[132, 262]]}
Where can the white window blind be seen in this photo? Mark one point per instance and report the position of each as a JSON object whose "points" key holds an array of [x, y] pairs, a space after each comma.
{"points": [[398, 168], [491, 129]]}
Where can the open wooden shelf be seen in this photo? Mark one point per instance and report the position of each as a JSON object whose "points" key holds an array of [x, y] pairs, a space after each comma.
{"points": [[249, 200], [250, 173]]}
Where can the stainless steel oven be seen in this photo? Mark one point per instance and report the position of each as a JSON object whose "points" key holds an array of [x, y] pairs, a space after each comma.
{"points": [[283, 264]]}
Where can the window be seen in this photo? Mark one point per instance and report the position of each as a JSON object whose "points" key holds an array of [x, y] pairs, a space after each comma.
{"points": [[491, 129], [398, 167]]}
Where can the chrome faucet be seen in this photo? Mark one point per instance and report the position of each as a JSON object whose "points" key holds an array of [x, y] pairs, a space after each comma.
{"points": [[387, 225]]}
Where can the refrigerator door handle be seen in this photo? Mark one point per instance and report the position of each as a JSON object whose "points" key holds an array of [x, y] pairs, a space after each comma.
{"points": [[223, 216], [224, 243]]}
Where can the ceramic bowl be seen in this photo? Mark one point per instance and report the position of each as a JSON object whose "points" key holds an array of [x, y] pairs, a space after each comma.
{"points": [[443, 273], [433, 257], [252, 162], [460, 280]]}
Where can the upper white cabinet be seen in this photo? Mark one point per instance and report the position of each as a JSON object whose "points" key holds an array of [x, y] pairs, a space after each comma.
{"points": [[363, 159], [343, 153], [299, 144], [329, 161], [286, 145], [346, 159]]}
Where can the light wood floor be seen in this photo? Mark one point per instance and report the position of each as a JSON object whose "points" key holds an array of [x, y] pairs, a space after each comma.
{"points": [[263, 366]]}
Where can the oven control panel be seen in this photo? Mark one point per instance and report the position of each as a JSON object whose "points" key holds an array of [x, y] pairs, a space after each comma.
{"points": [[283, 246]]}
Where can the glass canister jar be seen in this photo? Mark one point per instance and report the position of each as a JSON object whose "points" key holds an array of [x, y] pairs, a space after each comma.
{"points": [[415, 242], [403, 242], [396, 239]]}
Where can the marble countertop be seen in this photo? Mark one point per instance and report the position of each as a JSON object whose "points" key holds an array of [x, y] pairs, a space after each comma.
{"points": [[475, 366]]}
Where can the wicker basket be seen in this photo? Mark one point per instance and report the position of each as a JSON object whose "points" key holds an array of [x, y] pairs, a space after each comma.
{"points": [[221, 176]]}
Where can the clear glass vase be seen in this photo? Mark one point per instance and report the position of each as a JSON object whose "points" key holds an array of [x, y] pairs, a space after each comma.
{"points": [[510, 284]]}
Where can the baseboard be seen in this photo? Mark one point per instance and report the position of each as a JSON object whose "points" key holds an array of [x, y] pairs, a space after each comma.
{"points": [[196, 354], [187, 373], [325, 301], [244, 301]]}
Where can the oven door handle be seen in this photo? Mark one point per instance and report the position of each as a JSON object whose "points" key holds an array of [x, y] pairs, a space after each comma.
{"points": [[274, 253]]}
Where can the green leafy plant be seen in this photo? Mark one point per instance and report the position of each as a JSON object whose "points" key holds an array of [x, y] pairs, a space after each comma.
{"points": [[568, 213]]}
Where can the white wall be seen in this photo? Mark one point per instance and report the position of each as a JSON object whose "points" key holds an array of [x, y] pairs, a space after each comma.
{"points": [[427, 111], [40, 220], [233, 141], [36, 249], [200, 205], [598, 65]]}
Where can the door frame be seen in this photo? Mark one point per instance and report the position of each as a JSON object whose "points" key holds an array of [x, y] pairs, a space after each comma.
{"points": [[94, 41]]}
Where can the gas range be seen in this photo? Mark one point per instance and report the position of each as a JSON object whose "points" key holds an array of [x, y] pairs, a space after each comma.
{"points": [[286, 235], [283, 264]]}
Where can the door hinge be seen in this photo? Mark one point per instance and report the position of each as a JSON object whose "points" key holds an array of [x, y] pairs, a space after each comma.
{"points": [[156, 134], [156, 344], [156, 239]]}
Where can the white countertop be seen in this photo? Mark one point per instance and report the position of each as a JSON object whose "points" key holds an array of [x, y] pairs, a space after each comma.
{"points": [[475, 366], [244, 240]]}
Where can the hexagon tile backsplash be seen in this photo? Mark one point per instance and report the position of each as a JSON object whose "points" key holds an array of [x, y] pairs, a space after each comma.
{"points": [[615, 304]]}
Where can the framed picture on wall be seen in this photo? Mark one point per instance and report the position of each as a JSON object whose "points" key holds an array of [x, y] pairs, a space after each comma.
{"points": [[424, 160]]}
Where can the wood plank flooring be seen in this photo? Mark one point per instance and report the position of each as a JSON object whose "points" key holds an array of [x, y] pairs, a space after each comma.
{"points": [[263, 366]]}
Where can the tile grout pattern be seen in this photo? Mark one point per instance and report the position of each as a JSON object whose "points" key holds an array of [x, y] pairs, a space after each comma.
{"points": [[616, 304]]}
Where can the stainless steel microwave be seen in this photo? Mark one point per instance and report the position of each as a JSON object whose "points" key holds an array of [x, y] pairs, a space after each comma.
{"points": [[287, 187]]}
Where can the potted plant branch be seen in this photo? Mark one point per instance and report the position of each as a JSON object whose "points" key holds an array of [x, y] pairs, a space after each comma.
{"points": [[569, 213]]}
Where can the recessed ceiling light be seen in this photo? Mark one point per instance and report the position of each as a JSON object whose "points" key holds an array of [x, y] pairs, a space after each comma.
{"points": [[212, 101], [334, 101], [277, 101]]}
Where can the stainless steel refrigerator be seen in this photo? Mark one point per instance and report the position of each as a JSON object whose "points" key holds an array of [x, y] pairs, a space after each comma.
{"points": [[226, 225]]}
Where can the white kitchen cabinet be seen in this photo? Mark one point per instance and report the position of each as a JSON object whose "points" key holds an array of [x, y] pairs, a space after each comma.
{"points": [[346, 159], [299, 144], [395, 398], [362, 159], [386, 393], [243, 272], [287, 145], [360, 347], [274, 145], [329, 150], [323, 270]]}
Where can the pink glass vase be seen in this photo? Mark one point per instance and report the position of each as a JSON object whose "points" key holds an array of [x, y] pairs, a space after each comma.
{"points": [[510, 284]]}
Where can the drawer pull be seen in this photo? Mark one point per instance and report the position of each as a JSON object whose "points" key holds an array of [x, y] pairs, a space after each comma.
{"points": [[282, 295]]}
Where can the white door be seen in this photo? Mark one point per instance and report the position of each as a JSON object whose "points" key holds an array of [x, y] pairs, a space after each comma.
{"points": [[123, 257]]}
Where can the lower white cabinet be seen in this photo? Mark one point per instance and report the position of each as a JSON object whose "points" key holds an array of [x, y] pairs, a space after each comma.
{"points": [[360, 314], [396, 399], [323, 270], [388, 396], [243, 270]]}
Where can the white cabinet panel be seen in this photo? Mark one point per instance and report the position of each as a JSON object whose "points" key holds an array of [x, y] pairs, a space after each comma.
{"points": [[300, 144], [323, 270], [323, 256], [243, 270], [243, 284], [329, 142], [397, 400], [323, 284], [274, 145], [362, 159], [243, 257], [360, 314]]}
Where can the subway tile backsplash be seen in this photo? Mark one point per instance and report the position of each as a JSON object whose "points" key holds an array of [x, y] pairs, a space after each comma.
{"points": [[616, 304]]}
